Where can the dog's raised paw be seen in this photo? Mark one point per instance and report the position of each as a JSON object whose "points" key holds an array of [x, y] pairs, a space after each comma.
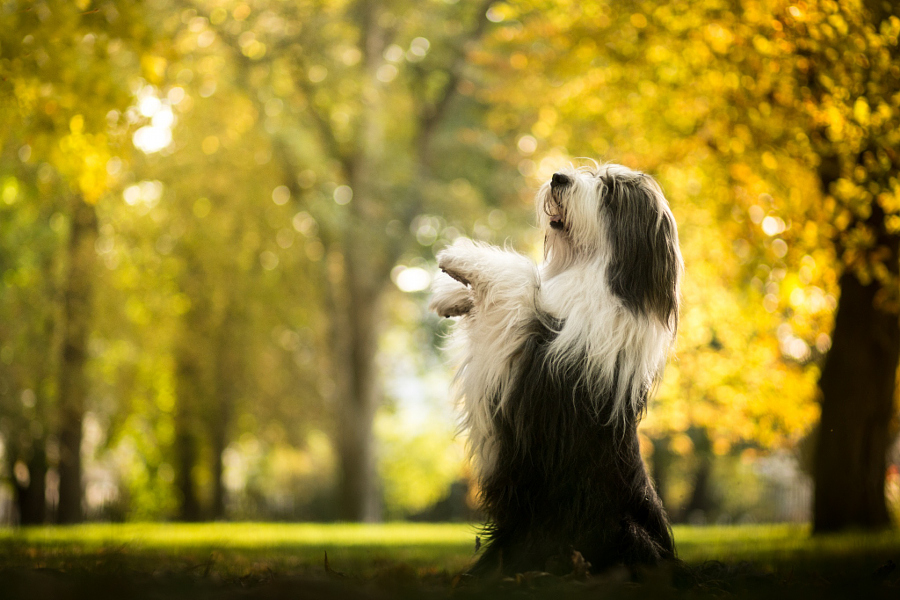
{"points": [[456, 275], [456, 310], [458, 260], [450, 298]]}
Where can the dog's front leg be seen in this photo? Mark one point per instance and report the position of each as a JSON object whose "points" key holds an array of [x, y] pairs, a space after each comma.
{"points": [[450, 298], [496, 277]]}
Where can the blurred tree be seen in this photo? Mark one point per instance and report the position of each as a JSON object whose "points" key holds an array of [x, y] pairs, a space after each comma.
{"points": [[213, 322], [206, 219], [357, 94], [825, 80], [859, 168], [62, 72], [72, 383], [27, 250]]}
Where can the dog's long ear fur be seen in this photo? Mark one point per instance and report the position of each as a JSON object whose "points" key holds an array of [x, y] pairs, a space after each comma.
{"points": [[645, 265]]}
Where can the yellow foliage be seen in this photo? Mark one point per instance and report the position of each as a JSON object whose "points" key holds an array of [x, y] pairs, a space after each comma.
{"points": [[82, 159], [733, 112], [153, 67]]}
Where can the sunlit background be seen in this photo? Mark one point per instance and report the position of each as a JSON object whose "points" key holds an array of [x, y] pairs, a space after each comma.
{"points": [[219, 218]]}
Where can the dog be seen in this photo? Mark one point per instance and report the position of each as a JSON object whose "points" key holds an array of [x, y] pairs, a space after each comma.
{"points": [[557, 364]]}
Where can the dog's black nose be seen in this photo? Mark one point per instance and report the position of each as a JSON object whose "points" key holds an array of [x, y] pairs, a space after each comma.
{"points": [[560, 180]]}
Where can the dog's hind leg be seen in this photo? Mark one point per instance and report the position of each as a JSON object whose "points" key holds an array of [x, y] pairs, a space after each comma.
{"points": [[639, 547]]}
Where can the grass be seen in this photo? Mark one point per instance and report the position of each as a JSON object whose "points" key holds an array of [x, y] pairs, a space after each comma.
{"points": [[208, 560], [295, 546], [775, 544]]}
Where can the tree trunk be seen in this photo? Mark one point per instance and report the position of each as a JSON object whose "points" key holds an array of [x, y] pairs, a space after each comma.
{"points": [[858, 383], [73, 384], [218, 467], [661, 466], [186, 458], [364, 264], [358, 396], [360, 287], [700, 501], [229, 378], [358, 490], [186, 443], [31, 499]]}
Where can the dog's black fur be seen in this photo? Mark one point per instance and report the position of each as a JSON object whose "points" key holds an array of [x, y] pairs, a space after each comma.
{"points": [[645, 266], [568, 478]]}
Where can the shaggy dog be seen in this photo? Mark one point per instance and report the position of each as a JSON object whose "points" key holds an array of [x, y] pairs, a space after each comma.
{"points": [[557, 364]]}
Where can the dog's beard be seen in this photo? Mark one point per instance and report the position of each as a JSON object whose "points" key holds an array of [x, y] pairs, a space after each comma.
{"points": [[558, 253], [565, 230], [553, 208]]}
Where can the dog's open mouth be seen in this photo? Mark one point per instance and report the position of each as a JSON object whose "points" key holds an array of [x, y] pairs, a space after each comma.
{"points": [[554, 210]]}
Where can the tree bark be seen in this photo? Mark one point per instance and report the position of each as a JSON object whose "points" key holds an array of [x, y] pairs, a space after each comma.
{"points": [[73, 384], [358, 500], [360, 287], [31, 499], [701, 499], [194, 382], [358, 389], [661, 466], [229, 378], [186, 442], [219, 442], [858, 384]]}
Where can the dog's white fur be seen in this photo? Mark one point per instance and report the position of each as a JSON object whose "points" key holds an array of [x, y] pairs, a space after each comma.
{"points": [[499, 292]]}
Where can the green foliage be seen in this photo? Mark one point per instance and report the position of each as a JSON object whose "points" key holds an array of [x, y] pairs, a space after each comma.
{"points": [[61, 88], [417, 466], [61, 69]]}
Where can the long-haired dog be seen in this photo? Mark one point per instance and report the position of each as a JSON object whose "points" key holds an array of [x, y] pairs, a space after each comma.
{"points": [[557, 364]]}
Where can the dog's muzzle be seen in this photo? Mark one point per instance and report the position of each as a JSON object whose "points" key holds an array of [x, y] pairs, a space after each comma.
{"points": [[557, 184], [559, 180]]}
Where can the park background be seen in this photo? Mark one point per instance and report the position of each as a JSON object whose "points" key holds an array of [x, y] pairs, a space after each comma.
{"points": [[218, 223]]}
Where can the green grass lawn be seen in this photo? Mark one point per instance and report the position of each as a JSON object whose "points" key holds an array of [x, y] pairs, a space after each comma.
{"points": [[220, 556], [291, 547]]}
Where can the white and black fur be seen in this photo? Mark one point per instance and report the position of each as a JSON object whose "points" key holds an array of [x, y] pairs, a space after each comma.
{"points": [[557, 362]]}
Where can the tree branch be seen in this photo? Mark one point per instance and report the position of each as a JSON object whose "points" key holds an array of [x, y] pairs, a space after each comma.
{"points": [[319, 120], [431, 117]]}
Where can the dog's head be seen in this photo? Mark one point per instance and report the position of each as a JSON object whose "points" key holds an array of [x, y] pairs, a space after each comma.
{"points": [[618, 220]]}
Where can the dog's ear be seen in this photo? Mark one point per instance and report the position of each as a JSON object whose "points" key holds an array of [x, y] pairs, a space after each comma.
{"points": [[645, 265]]}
